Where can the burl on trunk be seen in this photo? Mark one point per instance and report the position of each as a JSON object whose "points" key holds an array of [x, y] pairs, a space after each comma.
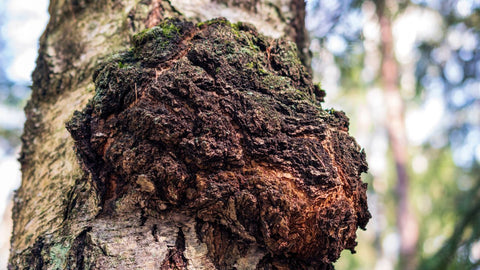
{"points": [[224, 125]]}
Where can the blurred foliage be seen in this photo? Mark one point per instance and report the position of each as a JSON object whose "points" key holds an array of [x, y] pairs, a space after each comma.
{"points": [[455, 253], [13, 97], [444, 168]]}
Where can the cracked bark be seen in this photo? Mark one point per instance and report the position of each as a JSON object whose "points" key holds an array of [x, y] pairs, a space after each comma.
{"points": [[197, 146]]}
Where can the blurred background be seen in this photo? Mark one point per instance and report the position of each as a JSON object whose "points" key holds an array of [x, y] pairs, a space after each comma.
{"points": [[21, 24], [407, 73]]}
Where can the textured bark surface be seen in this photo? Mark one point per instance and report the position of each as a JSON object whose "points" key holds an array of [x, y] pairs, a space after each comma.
{"points": [[204, 146]]}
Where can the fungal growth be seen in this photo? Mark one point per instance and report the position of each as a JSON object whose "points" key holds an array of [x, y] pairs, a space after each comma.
{"points": [[223, 124]]}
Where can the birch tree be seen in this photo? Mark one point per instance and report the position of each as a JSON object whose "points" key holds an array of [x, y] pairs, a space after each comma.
{"points": [[158, 137]]}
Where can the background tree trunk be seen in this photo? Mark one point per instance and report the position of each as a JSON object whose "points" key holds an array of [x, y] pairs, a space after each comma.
{"points": [[103, 214], [406, 222]]}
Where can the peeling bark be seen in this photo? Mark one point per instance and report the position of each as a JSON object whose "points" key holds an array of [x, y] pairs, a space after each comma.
{"points": [[202, 146]]}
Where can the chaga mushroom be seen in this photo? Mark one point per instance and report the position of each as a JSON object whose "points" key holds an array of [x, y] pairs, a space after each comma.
{"points": [[224, 124]]}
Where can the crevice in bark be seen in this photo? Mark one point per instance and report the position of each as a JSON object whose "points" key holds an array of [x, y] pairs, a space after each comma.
{"points": [[154, 232], [143, 217], [36, 254], [76, 259], [71, 203], [175, 258]]}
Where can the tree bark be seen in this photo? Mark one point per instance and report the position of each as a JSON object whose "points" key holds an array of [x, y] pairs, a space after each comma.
{"points": [[197, 145]]}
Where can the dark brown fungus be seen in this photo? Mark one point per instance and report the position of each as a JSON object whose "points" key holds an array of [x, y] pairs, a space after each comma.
{"points": [[224, 123]]}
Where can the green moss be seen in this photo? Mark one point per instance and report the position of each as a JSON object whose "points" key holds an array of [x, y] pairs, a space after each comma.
{"points": [[58, 256], [252, 45], [275, 82], [161, 41], [262, 71], [216, 21], [257, 67], [141, 37], [235, 27], [247, 51], [169, 30], [330, 111], [302, 95], [290, 54], [166, 30]]}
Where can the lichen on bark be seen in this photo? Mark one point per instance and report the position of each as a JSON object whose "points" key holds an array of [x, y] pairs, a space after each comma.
{"points": [[224, 125]]}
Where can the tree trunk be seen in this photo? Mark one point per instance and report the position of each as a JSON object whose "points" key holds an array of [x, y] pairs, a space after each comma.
{"points": [[196, 146], [406, 222]]}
